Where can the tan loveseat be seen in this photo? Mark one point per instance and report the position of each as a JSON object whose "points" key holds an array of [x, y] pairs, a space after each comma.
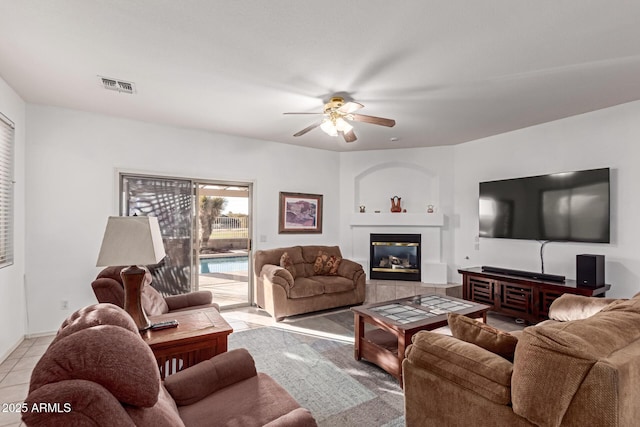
{"points": [[582, 371], [99, 372], [314, 278]]}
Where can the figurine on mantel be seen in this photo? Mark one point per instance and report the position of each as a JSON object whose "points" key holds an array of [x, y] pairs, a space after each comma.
{"points": [[395, 204]]}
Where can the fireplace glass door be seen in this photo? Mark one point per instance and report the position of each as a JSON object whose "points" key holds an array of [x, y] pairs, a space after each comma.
{"points": [[395, 257]]}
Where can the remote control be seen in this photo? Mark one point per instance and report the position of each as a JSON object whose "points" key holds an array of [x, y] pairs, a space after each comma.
{"points": [[164, 325]]}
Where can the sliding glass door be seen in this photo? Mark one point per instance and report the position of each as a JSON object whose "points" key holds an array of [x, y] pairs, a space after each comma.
{"points": [[206, 230]]}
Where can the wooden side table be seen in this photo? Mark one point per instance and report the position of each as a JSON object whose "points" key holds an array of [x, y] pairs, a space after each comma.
{"points": [[200, 335]]}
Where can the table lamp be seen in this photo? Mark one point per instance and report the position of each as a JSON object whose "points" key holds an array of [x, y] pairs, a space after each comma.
{"points": [[134, 241]]}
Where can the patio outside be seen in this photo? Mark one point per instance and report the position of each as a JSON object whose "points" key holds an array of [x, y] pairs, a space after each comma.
{"points": [[229, 288], [223, 256]]}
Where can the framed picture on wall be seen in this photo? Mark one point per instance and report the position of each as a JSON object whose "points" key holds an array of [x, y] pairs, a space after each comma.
{"points": [[300, 213]]}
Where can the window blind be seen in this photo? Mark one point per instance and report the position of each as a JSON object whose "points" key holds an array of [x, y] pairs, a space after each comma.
{"points": [[7, 130]]}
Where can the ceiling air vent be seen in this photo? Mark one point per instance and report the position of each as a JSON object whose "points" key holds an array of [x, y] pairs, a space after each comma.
{"points": [[117, 85]]}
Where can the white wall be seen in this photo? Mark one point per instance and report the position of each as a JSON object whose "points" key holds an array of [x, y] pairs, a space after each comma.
{"points": [[605, 138], [12, 300], [71, 185], [74, 156]]}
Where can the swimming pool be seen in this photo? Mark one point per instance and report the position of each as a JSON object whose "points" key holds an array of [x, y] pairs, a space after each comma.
{"points": [[224, 264]]}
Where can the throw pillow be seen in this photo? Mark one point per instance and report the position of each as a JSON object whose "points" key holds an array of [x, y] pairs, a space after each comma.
{"points": [[287, 264], [485, 336], [326, 264]]}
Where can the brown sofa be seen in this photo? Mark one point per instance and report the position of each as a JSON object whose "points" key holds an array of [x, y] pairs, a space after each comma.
{"points": [[108, 288], [582, 371], [99, 372], [302, 288]]}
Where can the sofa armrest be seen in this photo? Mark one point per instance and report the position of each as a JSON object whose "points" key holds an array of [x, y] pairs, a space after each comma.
{"points": [[277, 275], [177, 302], [299, 417], [575, 307], [199, 381], [349, 269], [465, 364]]}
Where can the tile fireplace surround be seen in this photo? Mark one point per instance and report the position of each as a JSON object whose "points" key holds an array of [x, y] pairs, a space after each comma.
{"points": [[387, 290], [429, 226]]}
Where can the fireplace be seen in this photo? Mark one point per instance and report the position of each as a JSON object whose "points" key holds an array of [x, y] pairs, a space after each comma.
{"points": [[395, 257]]}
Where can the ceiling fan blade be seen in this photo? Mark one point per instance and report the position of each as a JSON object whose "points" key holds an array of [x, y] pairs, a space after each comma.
{"points": [[304, 113], [350, 107], [349, 136], [373, 120], [308, 128]]}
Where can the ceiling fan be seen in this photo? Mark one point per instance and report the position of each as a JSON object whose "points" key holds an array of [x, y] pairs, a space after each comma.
{"points": [[337, 115]]}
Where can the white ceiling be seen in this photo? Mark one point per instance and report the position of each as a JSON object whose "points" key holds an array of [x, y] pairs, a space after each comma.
{"points": [[447, 71]]}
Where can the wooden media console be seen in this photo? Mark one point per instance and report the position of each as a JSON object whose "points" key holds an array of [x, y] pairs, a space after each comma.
{"points": [[520, 297]]}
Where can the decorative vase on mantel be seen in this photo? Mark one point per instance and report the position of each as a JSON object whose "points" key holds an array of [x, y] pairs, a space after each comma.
{"points": [[395, 204]]}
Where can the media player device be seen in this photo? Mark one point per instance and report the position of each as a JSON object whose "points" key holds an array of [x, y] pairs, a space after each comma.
{"points": [[528, 274]]}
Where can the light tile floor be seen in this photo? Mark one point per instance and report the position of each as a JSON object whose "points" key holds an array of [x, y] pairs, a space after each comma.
{"points": [[15, 373]]}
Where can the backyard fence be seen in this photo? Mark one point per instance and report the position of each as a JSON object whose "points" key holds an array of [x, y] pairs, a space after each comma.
{"points": [[227, 227]]}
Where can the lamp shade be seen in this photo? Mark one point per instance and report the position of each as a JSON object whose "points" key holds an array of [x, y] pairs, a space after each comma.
{"points": [[131, 240]]}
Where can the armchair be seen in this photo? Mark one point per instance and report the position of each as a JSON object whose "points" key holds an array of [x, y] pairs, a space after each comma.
{"points": [[579, 368], [99, 372], [108, 288]]}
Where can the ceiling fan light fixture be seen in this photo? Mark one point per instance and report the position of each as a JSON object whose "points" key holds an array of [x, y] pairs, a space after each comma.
{"points": [[337, 115], [329, 128]]}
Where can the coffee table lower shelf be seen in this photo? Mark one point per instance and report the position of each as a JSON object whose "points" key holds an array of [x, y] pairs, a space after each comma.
{"points": [[381, 347]]}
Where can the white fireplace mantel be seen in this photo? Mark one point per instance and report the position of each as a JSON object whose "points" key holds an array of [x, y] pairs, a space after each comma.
{"points": [[399, 219]]}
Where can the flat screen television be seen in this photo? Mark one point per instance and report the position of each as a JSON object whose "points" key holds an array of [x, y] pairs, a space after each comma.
{"points": [[568, 206]]}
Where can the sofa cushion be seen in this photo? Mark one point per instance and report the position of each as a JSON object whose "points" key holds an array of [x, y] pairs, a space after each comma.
{"points": [[470, 330], [326, 264], [333, 284], [112, 272], [469, 366], [272, 257], [117, 359], [163, 414], [310, 253], [250, 403], [80, 403], [305, 287], [94, 315], [287, 263], [152, 302]]}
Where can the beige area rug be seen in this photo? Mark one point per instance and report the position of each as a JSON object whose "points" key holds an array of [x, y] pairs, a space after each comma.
{"points": [[312, 358]]}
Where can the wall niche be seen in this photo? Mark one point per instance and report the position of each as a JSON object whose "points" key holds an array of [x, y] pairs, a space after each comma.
{"points": [[416, 186]]}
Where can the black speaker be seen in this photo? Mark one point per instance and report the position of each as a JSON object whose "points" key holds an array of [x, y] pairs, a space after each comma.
{"points": [[590, 270]]}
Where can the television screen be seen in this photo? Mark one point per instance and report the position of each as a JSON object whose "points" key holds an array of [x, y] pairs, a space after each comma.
{"points": [[568, 206]]}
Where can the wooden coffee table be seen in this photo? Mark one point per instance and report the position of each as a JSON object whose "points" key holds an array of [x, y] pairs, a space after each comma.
{"points": [[384, 330], [200, 335]]}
